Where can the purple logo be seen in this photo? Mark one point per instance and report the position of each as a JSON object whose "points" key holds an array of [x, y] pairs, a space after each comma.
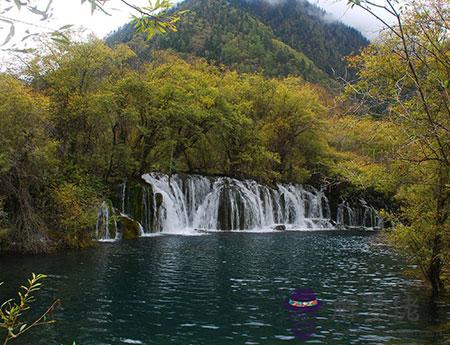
{"points": [[302, 305]]}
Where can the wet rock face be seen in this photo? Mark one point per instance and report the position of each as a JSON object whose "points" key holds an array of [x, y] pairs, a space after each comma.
{"points": [[138, 201]]}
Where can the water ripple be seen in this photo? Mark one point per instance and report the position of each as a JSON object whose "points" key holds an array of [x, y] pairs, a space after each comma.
{"points": [[229, 288]]}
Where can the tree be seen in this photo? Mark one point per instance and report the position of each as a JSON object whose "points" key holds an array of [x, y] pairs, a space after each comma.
{"points": [[294, 129], [405, 75], [26, 153], [49, 181]]}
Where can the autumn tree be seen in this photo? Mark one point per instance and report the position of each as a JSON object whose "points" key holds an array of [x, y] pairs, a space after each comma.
{"points": [[403, 77], [26, 154]]}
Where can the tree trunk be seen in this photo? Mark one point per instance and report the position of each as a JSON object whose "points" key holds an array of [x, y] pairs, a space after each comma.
{"points": [[436, 263], [435, 267]]}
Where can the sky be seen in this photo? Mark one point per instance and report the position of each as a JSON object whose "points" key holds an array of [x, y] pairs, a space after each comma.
{"points": [[71, 12], [355, 17]]}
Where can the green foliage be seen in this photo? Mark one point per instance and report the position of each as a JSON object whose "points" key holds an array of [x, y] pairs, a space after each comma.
{"points": [[12, 313], [403, 81], [74, 212], [416, 235], [310, 30], [364, 147], [156, 18], [33, 175], [25, 151]]}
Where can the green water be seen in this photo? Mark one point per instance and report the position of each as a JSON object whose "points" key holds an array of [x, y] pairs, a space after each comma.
{"points": [[228, 288]]}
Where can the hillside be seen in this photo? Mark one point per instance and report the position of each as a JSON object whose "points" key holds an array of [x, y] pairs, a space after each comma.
{"points": [[243, 35], [307, 28]]}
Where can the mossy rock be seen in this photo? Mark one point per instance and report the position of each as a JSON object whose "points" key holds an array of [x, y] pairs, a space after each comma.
{"points": [[129, 228]]}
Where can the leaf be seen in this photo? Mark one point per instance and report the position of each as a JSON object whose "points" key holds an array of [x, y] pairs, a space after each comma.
{"points": [[12, 31], [25, 51], [65, 27], [18, 4], [23, 327], [27, 37], [60, 40], [6, 302], [48, 6], [7, 9], [35, 10]]}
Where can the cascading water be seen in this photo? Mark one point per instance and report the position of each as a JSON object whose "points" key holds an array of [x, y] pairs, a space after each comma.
{"points": [[184, 203], [361, 215], [106, 227]]}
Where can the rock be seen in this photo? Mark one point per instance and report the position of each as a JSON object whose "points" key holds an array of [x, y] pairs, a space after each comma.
{"points": [[129, 228], [279, 227]]}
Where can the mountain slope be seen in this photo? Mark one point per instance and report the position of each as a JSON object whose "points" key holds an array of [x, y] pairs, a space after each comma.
{"points": [[308, 29], [224, 34], [242, 35]]}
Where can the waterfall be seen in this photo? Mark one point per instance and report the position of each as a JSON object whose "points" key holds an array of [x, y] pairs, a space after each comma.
{"points": [[176, 203], [106, 227], [185, 203], [359, 215], [123, 189]]}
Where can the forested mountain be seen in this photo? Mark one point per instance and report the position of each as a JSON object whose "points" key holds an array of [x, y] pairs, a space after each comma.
{"points": [[287, 38], [307, 28]]}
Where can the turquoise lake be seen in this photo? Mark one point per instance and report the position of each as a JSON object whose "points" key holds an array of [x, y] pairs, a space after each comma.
{"points": [[229, 288]]}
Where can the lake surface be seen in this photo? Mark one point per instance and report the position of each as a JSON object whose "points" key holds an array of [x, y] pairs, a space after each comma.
{"points": [[228, 288]]}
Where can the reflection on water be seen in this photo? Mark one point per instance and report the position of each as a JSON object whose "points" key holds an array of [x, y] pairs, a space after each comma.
{"points": [[228, 289]]}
